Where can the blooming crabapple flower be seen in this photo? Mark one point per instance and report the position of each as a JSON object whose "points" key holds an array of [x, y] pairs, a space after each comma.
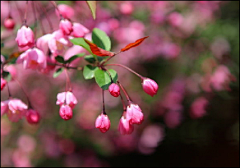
{"points": [[65, 112], [114, 90], [125, 127], [9, 23], [66, 98], [150, 86], [3, 83], [197, 109], [25, 37], [103, 123], [32, 116], [42, 43], [33, 59], [66, 26], [134, 114], [65, 10], [14, 108], [79, 30]]}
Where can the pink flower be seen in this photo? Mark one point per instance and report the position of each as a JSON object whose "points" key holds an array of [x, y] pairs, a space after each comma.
{"points": [[32, 116], [42, 43], [14, 108], [134, 114], [66, 26], [175, 19], [66, 98], [198, 107], [65, 112], [150, 86], [125, 127], [79, 30], [33, 59], [3, 83], [126, 8], [103, 123], [65, 10], [114, 90], [9, 23], [25, 37]]}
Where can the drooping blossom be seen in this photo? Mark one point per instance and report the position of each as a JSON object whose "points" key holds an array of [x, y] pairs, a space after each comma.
{"points": [[25, 37], [79, 30], [9, 23], [114, 90], [103, 123], [150, 86], [32, 116], [33, 58], [125, 127], [65, 112], [66, 26], [66, 98], [134, 114]]}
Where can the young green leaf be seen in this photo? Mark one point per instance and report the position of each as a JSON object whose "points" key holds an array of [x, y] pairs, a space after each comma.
{"points": [[101, 39], [81, 42], [57, 72], [60, 59], [92, 5], [103, 79], [88, 71], [90, 58]]}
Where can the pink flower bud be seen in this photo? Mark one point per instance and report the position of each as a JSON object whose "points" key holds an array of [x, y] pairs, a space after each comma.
{"points": [[16, 109], [65, 112], [150, 86], [3, 83], [103, 123], [32, 116], [134, 114], [9, 23], [66, 98], [125, 127], [126, 8], [65, 10], [33, 59], [66, 26], [114, 90], [79, 30], [25, 37]]}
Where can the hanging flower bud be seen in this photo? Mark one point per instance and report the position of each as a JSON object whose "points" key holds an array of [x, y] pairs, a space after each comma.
{"points": [[16, 109], [114, 90], [79, 30], [3, 83], [25, 37], [150, 86], [32, 116], [103, 123], [66, 26], [9, 23], [33, 58], [65, 112], [66, 98], [125, 127], [134, 114]]}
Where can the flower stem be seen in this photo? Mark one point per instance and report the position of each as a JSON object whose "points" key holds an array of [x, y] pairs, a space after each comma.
{"points": [[68, 83], [25, 14], [125, 92], [103, 111]]}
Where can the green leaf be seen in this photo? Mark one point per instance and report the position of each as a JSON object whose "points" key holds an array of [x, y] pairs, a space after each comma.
{"points": [[88, 71], [92, 5], [58, 72], [74, 57], [103, 79], [60, 59], [101, 39], [90, 58], [81, 42], [2, 45], [6, 75]]}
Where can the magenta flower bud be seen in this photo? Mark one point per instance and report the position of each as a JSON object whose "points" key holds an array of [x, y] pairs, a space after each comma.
{"points": [[103, 123], [79, 30], [125, 127], [134, 114], [114, 90], [150, 86], [9, 23], [66, 98], [66, 26], [33, 59], [25, 37], [66, 11], [65, 112], [32, 116], [3, 83]]}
